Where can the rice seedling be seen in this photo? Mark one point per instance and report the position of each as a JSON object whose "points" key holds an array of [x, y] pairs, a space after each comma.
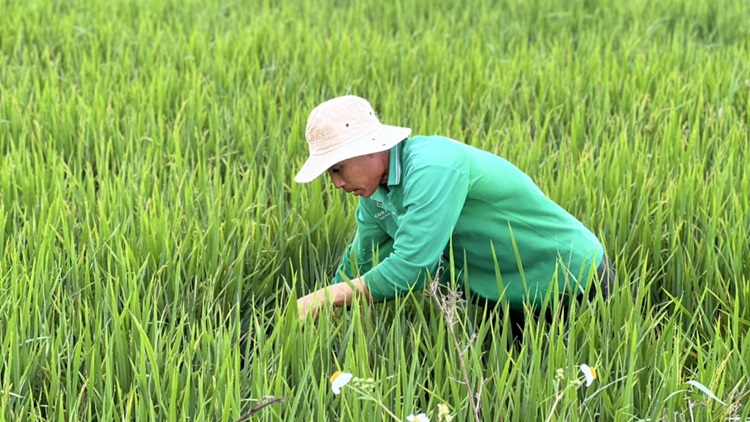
{"points": [[153, 243]]}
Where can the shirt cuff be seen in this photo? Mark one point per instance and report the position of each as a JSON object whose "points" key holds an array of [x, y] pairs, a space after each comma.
{"points": [[379, 288]]}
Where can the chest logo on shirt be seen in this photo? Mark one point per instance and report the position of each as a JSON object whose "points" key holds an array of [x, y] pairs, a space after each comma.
{"points": [[381, 215]]}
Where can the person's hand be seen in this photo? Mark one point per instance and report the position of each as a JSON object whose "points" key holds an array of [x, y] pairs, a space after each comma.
{"points": [[340, 294], [310, 305]]}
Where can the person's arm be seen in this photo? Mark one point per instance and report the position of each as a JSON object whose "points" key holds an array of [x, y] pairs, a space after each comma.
{"points": [[340, 294], [358, 258], [434, 196], [371, 244]]}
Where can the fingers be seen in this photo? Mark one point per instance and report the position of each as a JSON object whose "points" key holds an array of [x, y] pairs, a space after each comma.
{"points": [[307, 307]]}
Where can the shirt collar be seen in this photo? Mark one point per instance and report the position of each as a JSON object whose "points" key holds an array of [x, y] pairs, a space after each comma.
{"points": [[394, 164]]}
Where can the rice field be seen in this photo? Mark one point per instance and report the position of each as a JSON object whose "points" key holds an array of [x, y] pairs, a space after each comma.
{"points": [[153, 243]]}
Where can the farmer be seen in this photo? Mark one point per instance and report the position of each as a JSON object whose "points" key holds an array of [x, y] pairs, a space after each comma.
{"points": [[428, 202]]}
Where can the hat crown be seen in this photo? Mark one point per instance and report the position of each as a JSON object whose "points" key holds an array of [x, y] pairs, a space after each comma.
{"points": [[343, 128], [337, 121]]}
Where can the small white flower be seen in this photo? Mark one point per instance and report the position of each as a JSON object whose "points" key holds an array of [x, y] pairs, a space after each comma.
{"points": [[589, 373], [340, 379], [418, 418]]}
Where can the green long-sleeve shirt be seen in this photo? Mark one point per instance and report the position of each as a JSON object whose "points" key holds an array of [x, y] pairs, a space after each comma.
{"points": [[441, 194]]}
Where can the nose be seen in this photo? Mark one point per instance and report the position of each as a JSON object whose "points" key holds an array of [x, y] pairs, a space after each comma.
{"points": [[338, 181]]}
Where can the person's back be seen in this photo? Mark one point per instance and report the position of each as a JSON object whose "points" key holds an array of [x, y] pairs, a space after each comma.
{"points": [[507, 236]]}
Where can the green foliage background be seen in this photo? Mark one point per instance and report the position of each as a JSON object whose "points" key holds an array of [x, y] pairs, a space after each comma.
{"points": [[152, 239]]}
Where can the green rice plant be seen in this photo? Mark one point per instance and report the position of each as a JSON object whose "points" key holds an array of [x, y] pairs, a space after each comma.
{"points": [[153, 243]]}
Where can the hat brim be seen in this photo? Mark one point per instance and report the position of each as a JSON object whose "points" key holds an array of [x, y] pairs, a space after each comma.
{"points": [[384, 138]]}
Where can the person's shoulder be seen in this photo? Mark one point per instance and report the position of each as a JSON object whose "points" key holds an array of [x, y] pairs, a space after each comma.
{"points": [[433, 147], [433, 155], [430, 141]]}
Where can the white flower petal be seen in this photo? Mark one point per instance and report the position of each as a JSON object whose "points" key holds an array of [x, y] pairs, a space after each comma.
{"points": [[589, 373], [418, 418], [340, 379]]}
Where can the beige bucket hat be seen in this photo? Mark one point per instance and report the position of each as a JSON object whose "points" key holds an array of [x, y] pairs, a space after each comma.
{"points": [[343, 128]]}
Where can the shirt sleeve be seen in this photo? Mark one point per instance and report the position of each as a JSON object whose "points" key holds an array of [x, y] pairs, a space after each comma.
{"points": [[370, 245], [434, 196]]}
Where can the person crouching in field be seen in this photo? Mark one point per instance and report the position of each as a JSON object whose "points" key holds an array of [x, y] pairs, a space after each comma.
{"points": [[424, 199]]}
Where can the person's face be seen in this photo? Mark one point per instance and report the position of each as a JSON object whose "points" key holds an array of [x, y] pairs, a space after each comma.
{"points": [[361, 175]]}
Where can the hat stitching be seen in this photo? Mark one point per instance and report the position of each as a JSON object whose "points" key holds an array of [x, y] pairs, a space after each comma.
{"points": [[319, 136]]}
